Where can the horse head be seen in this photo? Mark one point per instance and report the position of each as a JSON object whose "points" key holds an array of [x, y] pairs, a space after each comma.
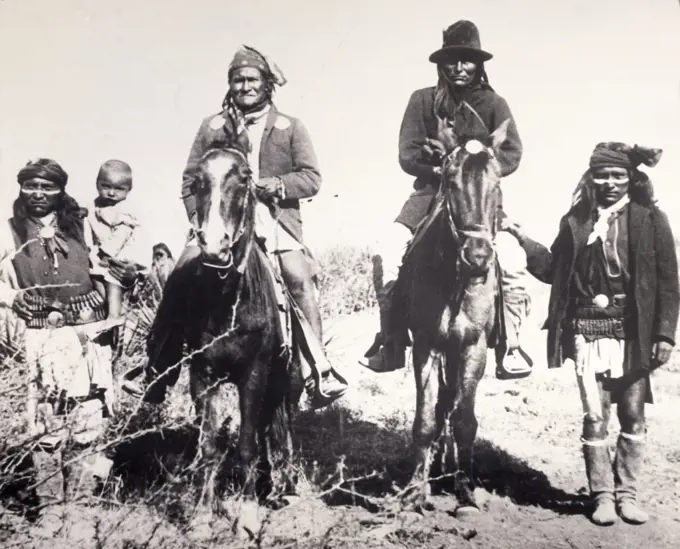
{"points": [[225, 208], [470, 177]]}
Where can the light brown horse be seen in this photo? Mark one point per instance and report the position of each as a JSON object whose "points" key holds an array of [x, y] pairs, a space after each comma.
{"points": [[447, 291]]}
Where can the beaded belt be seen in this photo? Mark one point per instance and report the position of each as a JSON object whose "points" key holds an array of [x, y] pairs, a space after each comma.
{"points": [[72, 311], [600, 316]]}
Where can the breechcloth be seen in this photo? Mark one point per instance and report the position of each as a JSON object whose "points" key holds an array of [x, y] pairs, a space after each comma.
{"points": [[605, 348]]}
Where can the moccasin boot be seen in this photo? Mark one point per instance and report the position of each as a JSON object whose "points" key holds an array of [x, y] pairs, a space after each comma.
{"points": [[600, 481], [627, 467]]}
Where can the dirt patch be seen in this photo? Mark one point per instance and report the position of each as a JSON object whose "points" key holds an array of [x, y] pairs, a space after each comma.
{"points": [[355, 458]]}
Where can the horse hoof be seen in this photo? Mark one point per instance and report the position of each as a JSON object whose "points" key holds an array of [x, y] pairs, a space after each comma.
{"points": [[420, 505], [290, 499], [246, 518], [275, 504], [465, 511], [426, 506]]}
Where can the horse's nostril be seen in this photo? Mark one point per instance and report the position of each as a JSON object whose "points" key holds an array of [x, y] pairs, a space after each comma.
{"points": [[476, 254], [477, 257]]}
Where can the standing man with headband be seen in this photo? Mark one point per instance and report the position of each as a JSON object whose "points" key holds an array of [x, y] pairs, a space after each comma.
{"points": [[614, 311]]}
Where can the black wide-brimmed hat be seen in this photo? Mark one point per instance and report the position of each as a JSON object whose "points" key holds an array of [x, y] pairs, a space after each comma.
{"points": [[461, 39]]}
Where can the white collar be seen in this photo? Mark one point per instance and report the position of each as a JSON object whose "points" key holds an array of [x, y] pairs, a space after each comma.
{"points": [[47, 220], [615, 207], [603, 215]]}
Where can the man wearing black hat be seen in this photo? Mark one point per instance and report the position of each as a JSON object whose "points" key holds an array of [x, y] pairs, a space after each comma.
{"points": [[613, 310], [462, 79]]}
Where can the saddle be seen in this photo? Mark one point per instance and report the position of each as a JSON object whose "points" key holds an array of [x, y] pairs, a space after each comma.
{"points": [[498, 338], [297, 335]]}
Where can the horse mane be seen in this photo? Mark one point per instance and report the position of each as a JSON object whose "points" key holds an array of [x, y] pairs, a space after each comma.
{"points": [[221, 148]]}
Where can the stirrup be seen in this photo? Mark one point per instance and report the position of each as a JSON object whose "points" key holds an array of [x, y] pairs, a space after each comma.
{"points": [[378, 361], [320, 399], [374, 348], [375, 362], [503, 372]]}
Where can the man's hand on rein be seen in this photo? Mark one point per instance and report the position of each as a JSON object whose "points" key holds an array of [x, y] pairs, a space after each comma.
{"points": [[512, 227], [268, 188], [433, 151]]}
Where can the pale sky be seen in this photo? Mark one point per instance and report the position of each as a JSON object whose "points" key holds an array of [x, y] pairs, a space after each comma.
{"points": [[84, 81]]}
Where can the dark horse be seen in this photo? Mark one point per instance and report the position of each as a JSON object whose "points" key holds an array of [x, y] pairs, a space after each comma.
{"points": [[448, 284], [234, 330]]}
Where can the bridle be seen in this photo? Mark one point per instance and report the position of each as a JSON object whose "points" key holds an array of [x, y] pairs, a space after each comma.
{"points": [[230, 266], [480, 232]]}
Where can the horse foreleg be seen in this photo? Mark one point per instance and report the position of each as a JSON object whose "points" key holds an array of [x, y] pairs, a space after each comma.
{"points": [[282, 433], [251, 402], [204, 396], [428, 424], [282, 436], [464, 425], [290, 475]]}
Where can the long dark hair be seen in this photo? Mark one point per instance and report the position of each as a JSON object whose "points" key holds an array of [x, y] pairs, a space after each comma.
{"points": [[69, 215], [448, 100], [640, 190]]}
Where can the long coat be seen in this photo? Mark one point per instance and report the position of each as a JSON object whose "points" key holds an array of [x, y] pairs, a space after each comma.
{"points": [[420, 123], [654, 278], [286, 152]]}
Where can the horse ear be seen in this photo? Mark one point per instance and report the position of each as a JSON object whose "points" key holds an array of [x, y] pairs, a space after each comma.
{"points": [[447, 135], [499, 135]]}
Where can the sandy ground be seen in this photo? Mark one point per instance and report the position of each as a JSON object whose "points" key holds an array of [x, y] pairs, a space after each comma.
{"points": [[529, 466]]}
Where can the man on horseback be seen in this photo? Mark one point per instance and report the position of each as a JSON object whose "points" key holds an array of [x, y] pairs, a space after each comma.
{"points": [[285, 170], [464, 102]]}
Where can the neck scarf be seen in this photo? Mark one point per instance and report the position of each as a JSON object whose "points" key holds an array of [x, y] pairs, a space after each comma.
{"points": [[604, 215], [52, 239], [242, 121]]}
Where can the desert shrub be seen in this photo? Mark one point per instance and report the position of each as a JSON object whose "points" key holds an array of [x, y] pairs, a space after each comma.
{"points": [[345, 281]]}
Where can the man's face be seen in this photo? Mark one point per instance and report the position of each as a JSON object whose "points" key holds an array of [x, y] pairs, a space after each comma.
{"points": [[611, 184], [159, 257], [162, 264], [247, 87], [40, 196], [460, 72], [113, 188]]}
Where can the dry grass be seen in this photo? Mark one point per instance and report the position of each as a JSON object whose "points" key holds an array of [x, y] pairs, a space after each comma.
{"points": [[345, 281], [354, 459]]}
